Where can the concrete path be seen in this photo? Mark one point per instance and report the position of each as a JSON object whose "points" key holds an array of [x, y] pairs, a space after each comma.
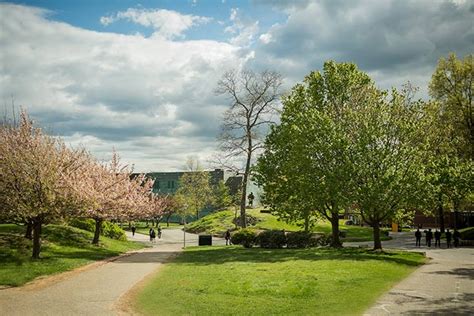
{"points": [[97, 288], [443, 286]]}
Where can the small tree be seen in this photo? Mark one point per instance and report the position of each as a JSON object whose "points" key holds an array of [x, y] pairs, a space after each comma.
{"points": [[253, 98], [194, 188], [222, 197]]}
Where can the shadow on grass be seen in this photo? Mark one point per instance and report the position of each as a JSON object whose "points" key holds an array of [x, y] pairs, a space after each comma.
{"points": [[221, 255]]}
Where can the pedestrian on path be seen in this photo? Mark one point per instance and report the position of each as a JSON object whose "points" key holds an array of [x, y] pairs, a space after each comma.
{"points": [[227, 237], [456, 237], [159, 232], [133, 230], [437, 236], [429, 237], [418, 238], [152, 235], [448, 238]]}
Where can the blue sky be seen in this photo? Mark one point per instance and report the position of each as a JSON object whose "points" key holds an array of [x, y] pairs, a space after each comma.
{"points": [[140, 76]]}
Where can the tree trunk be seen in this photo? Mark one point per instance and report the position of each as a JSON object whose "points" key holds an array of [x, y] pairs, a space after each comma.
{"points": [[243, 219], [98, 227], [377, 241], [441, 214], [335, 242], [36, 238], [168, 221], [306, 222], [29, 230]]}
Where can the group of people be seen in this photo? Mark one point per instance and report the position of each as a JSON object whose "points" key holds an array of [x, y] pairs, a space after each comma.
{"points": [[153, 234], [456, 236]]}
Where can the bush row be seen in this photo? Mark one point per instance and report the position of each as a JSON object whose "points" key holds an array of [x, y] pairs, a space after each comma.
{"points": [[278, 239], [108, 229]]}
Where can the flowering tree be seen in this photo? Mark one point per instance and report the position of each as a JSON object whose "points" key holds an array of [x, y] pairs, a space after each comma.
{"points": [[37, 169]]}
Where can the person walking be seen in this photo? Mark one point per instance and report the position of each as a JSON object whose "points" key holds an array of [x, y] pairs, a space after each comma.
{"points": [[133, 230], [456, 237], [429, 237], [159, 232], [448, 238], [437, 236], [152, 235], [418, 238], [227, 237]]}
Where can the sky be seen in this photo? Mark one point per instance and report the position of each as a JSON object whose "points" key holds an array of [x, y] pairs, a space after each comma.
{"points": [[139, 77]]}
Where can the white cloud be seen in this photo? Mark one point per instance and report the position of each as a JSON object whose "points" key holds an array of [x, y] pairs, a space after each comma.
{"points": [[266, 38], [166, 23], [244, 30], [150, 98]]}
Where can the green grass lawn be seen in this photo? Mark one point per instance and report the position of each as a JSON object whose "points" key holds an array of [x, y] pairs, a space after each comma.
{"points": [[217, 223], [63, 248], [239, 281]]}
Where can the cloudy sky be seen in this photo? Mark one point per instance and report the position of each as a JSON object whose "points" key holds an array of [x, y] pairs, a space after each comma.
{"points": [[139, 76]]}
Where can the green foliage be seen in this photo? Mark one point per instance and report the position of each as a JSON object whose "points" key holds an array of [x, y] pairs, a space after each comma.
{"points": [[236, 281], [194, 192], [222, 197], [452, 86], [244, 237], [64, 248], [302, 239], [83, 223], [271, 239], [113, 231], [305, 170], [110, 230]]}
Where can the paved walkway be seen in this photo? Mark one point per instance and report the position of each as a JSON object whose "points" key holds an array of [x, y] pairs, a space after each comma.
{"points": [[443, 286], [96, 289]]}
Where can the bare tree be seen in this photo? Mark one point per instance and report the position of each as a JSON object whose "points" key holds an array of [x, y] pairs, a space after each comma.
{"points": [[253, 97]]}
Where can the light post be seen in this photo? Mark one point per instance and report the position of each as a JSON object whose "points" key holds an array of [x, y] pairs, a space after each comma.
{"points": [[184, 225]]}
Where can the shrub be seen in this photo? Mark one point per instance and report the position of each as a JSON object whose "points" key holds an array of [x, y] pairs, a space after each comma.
{"points": [[302, 239], [324, 240], [113, 231], [83, 223], [108, 229], [271, 239], [243, 237]]}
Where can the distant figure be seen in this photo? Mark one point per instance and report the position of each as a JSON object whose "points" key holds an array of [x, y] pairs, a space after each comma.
{"points": [[133, 230], [456, 237], [227, 237], [448, 238], [426, 240], [437, 236], [251, 197], [159, 232], [429, 236], [152, 235], [418, 238]]}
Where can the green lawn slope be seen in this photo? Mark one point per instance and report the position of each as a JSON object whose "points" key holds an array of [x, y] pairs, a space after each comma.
{"points": [[217, 223], [63, 248]]}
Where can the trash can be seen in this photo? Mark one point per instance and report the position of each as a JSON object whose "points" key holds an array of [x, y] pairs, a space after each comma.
{"points": [[205, 240]]}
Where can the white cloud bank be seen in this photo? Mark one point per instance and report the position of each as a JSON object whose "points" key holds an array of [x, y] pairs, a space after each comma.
{"points": [[150, 98]]}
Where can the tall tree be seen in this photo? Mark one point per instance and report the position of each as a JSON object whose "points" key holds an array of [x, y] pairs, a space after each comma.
{"points": [[253, 97], [305, 168], [388, 152], [452, 84]]}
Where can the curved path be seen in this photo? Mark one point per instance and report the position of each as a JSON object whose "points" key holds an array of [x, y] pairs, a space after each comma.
{"points": [[95, 289], [443, 286]]}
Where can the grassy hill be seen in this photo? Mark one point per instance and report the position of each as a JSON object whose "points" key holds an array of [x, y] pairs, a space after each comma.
{"points": [[217, 223], [63, 248]]}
